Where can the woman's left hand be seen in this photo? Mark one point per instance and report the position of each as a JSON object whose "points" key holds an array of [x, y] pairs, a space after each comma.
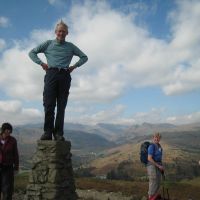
{"points": [[71, 68]]}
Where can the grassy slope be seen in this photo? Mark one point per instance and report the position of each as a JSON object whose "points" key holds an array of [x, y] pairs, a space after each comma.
{"points": [[182, 190], [130, 151], [114, 156]]}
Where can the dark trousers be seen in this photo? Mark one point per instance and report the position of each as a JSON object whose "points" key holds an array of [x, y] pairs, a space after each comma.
{"points": [[56, 91], [6, 182]]}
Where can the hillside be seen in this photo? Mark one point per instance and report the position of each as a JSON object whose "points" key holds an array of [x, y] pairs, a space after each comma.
{"points": [[84, 145], [180, 149], [123, 145], [80, 140]]}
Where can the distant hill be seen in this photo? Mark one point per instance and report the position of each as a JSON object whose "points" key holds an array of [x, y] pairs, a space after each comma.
{"points": [[80, 140], [115, 143], [87, 142], [147, 129], [179, 147], [106, 130], [101, 135], [114, 132], [83, 143]]}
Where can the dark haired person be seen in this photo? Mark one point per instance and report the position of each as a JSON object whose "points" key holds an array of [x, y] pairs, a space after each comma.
{"points": [[59, 54], [9, 161], [155, 167]]}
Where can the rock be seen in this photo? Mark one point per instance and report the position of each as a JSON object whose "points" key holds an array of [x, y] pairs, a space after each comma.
{"points": [[51, 176]]}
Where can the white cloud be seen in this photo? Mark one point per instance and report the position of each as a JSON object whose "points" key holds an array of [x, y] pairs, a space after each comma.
{"points": [[185, 45], [158, 115], [18, 76], [56, 2], [14, 112], [10, 106], [185, 119], [51, 1], [4, 21], [109, 115], [121, 55], [2, 44], [38, 36], [116, 115], [138, 59], [184, 79]]}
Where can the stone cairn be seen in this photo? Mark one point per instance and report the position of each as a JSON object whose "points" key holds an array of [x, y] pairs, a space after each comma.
{"points": [[51, 177]]}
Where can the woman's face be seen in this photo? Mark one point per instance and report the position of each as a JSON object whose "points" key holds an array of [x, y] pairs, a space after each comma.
{"points": [[61, 33], [6, 134], [156, 139]]}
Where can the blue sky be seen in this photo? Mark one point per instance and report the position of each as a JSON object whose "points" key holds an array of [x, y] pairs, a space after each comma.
{"points": [[143, 63]]}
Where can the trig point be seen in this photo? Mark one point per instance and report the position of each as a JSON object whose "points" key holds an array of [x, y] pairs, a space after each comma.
{"points": [[51, 177]]}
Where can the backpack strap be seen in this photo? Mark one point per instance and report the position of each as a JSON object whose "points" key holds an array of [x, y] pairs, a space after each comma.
{"points": [[155, 146], [154, 149]]}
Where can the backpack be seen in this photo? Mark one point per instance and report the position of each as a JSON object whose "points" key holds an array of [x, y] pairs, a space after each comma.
{"points": [[144, 152]]}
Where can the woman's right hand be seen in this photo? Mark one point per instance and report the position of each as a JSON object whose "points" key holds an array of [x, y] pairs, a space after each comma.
{"points": [[161, 168], [44, 66]]}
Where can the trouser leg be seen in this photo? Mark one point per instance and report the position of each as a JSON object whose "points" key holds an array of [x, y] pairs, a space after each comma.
{"points": [[7, 183], [62, 97], [158, 179], [154, 179], [49, 100]]}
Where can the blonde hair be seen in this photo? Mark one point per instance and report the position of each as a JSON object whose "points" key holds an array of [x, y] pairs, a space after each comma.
{"points": [[157, 134], [61, 23]]}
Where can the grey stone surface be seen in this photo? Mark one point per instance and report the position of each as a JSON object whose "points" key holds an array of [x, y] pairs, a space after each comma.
{"points": [[51, 177]]}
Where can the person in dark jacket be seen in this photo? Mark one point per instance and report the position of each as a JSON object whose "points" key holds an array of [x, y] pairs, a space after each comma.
{"points": [[9, 161]]}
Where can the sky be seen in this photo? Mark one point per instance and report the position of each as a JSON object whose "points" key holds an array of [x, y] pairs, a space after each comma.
{"points": [[144, 61]]}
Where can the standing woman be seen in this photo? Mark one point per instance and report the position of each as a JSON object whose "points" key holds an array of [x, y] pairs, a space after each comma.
{"points": [[57, 81], [155, 167], [9, 161]]}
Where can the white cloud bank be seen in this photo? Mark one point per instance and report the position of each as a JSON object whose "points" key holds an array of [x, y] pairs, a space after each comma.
{"points": [[115, 115], [121, 55], [13, 112]]}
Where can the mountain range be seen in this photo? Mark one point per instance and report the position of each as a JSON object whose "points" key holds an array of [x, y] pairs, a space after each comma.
{"points": [[100, 135], [111, 139]]}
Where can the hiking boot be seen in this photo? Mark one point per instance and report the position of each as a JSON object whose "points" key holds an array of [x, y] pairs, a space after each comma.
{"points": [[159, 197], [59, 137], [155, 197], [46, 136]]}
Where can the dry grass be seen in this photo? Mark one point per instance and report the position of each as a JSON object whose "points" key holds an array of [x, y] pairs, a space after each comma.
{"points": [[194, 182], [21, 181], [125, 187], [185, 191], [181, 191]]}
